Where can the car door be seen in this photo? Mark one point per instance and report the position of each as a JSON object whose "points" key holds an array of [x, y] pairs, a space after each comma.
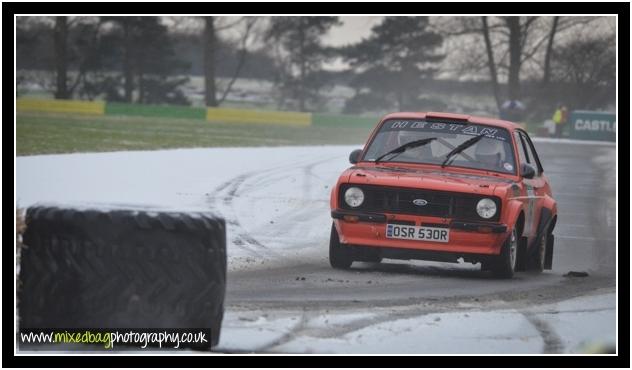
{"points": [[535, 188]]}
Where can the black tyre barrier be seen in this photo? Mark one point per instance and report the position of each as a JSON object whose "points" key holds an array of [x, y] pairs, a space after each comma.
{"points": [[122, 269]]}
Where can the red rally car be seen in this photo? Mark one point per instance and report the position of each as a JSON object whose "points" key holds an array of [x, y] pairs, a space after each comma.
{"points": [[440, 186]]}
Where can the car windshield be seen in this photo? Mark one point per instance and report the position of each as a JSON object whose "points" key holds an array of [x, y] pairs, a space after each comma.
{"points": [[492, 152]]}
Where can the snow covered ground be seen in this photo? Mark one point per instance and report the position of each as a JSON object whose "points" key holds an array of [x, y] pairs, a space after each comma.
{"points": [[276, 204], [182, 178], [262, 191]]}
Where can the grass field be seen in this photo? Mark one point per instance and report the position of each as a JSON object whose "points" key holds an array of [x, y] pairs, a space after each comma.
{"points": [[39, 133]]}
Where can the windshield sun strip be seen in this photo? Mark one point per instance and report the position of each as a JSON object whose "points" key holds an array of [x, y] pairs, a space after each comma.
{"points": [[505, 131]]}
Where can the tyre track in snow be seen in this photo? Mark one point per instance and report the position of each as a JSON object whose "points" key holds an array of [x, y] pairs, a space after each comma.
{"points": [[223, 197], [226, 192], [307, 205], [552, 341]]}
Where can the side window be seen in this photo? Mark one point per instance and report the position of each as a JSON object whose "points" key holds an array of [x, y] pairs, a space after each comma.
{"points": [[533, 156], [522, 150], [529, 158]]}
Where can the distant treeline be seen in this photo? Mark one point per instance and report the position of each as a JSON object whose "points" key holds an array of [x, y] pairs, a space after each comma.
{"points": [[39, 55], [537, 61]]}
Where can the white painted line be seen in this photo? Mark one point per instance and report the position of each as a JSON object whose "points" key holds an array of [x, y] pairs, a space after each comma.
{"points": [[581, 195], [573, 216], [572, 225], [571, 141], [582, 238]]}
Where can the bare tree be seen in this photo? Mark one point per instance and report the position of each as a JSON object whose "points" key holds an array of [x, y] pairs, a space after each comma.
{"points": [[127, 46], [210, 41], [243, 51], [60, 36], [503, 46], [71, 52], [128, 73], [209, 62], [588, 64], [549, 48], [506, 45], [517, 37], [491, 63]]}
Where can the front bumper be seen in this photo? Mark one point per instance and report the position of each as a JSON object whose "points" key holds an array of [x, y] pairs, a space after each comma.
{"points": [[369, 230]]}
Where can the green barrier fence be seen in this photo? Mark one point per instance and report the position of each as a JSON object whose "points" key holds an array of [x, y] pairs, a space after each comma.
{"points": [[163, 111], [210, 114], [319, 119]]}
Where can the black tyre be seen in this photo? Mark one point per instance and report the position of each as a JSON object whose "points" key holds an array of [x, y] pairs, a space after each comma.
{"points": [[366, 254], [486, 266], [339, 258], [505, 264], [122, 269], [374, 259]]}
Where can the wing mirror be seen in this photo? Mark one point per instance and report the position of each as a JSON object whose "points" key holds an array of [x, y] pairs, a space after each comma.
{"points": [[353, 157], [527, 171]]}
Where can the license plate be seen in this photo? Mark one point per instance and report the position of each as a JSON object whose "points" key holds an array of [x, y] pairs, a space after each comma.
{"points": [[433, 234]]}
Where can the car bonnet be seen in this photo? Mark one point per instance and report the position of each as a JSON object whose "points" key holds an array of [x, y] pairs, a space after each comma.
{"points": [[426, 179]]}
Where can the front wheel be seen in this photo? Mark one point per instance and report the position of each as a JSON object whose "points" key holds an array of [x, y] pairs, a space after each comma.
{"points": [[339, 258], [505, 265]]}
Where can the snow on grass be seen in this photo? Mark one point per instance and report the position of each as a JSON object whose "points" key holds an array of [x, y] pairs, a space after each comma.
{"points": [[270, 197], [183, 178]]}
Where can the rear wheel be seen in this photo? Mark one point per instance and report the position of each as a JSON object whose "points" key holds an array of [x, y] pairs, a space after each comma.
{"points": [[486, 266], [339, 258], [505, 265]]}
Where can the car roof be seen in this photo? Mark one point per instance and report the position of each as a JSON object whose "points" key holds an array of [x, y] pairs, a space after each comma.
{"points": [[454, 117]]}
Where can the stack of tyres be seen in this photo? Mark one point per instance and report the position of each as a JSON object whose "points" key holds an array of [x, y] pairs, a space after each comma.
{"points": [[113, 268]]}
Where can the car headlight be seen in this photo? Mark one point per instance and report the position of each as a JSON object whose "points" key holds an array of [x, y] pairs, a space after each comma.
{"points": [[354, 197], [486, 208]]}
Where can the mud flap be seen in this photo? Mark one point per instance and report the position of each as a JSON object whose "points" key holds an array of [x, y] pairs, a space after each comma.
{"points": [[521, 263], [548, 257]]}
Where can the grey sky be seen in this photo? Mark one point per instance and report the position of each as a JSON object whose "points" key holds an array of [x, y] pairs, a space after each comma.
{"points": [[352, 30]]}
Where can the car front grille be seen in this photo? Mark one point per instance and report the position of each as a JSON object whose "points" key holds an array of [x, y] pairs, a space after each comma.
{"points": [[401, 200]]}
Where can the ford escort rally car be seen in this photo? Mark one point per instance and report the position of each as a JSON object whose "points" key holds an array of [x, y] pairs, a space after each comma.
{"points": [[441, 187]]}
